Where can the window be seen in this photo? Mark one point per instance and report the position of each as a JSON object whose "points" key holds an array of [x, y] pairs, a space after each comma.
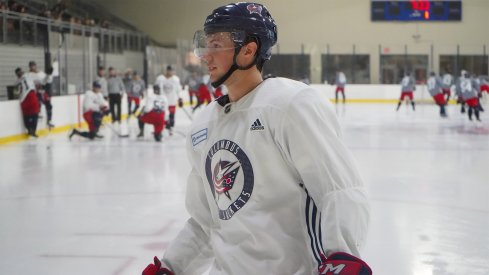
{"points": [[294, 66], [393, 68], [355, 67], [453, 64]]}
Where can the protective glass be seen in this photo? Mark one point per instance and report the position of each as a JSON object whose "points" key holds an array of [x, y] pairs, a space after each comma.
{"points": [[209, 43]]}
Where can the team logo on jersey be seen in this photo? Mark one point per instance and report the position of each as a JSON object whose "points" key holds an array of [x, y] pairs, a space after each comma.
{"points": [[253, 8], [230, 177], [224, 176]]}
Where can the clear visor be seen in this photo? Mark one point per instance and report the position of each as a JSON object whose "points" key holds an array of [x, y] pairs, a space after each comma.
{"points": [[209, 43]]}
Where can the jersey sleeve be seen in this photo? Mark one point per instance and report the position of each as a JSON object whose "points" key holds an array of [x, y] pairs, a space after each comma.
{"points": [[190, 252], [310, 138]]}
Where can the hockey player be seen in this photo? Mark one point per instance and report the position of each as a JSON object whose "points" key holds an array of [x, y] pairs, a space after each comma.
{"points": [[458, 90], [476, 85], [484, 82], [272, 189], [470, 96], [340, 82], [407, 89], [41, 79], [154, 113], [204, 96], [135, 93], [193, 82], [94, 109], [434, 85], [170, 87], [29, 102], [446, 85]]}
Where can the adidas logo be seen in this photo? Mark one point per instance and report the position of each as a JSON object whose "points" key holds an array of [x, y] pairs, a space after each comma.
{"points": [[257, 126]]}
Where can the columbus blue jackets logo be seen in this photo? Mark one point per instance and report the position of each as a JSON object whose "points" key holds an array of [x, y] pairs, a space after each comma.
{"points": [[254, 8], [230, 177], [224, 176]]}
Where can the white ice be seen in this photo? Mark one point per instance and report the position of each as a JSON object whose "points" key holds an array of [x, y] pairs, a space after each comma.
{"points": [[108, 206]]}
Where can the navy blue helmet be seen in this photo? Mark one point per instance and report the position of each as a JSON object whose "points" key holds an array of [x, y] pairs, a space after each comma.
{"points": [[252, 19]]}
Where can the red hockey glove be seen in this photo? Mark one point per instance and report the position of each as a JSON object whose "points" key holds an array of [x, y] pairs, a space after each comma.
{"points": [[180, 102], [156, 269], [340, 263]]}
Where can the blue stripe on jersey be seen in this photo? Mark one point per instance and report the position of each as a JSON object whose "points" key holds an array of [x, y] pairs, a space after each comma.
{"points": [[314, 251], [313, 219]]}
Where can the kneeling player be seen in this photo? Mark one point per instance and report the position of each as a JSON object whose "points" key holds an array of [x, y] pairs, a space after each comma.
{"points": [[94, 109], [154, 113], [434, 87]]}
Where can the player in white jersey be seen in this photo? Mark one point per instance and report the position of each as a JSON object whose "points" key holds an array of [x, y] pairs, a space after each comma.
{"points": [[29, 102], [135, 92], [153, 113], [340, 82], [94, 109], [470, 95], [170, 87], [446, 85], [407, 90], [41, 79], [273, 189], [434, 85]]}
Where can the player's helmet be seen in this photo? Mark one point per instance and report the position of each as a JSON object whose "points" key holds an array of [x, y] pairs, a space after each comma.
{"points": [[251, 18], [96, 84], [245, 22], [19, 72]]}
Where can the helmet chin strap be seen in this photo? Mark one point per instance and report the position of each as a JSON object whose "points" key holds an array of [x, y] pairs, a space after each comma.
{"points": [[233, 68]]}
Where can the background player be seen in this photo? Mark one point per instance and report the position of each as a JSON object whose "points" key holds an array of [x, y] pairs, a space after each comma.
{"points": [[269, 171], [41, 79], [135, 94], [407, 90], [29, 102], [434, 85], [203, 96], [470, 96], [153, 113], [340, 82], [193, 82], [171, 88], [94, 109], [459, 91], [446, 85]]}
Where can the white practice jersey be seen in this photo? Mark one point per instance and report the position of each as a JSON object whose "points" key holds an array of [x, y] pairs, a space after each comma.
{"points": [[434, 85], [447, 81], [93, 101], [170, 87], [272, 186], [155, 102], [24, 86], [39, 78]]}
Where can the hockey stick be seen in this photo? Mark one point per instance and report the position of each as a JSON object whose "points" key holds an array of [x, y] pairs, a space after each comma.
{"points": [[115, 131], [187, 113]]}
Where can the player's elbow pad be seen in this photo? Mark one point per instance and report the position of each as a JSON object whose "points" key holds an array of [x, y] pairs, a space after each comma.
{"points": [[344, 264]]}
